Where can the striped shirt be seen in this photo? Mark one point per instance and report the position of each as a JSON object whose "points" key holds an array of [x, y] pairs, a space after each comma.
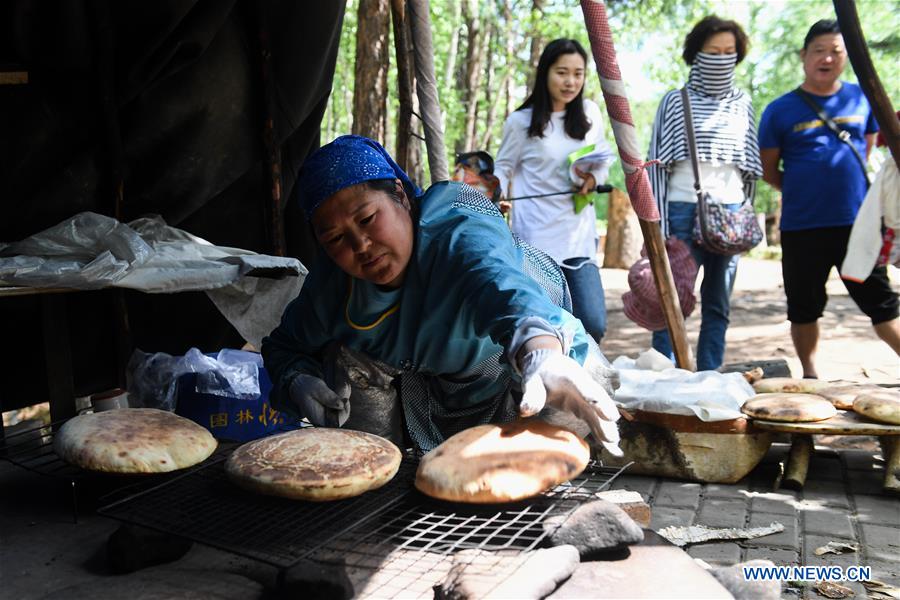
{"points": [[724, 127]]}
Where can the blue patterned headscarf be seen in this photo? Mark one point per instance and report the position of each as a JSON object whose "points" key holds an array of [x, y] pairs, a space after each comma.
{"points": [[348, 160]]}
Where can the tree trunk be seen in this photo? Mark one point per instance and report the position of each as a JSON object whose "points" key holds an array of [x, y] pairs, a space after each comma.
{"points": [[474, 62], [405, 83], [623, 233], [450, 67], [537, 41], [372, 64]]}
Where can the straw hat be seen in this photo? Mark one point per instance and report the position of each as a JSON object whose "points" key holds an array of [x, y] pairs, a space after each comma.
{"points": [[641, 304]]}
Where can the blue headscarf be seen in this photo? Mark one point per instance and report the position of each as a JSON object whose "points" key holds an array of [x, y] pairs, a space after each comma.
{"points": [[348, 160]]}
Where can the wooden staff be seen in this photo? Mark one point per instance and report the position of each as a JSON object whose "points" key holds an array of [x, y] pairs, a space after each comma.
{"points": [[868, 77], [636, 181]]}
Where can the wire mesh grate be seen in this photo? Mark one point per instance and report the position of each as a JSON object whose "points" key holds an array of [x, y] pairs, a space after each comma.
{"points": [[390, 537], [32, 449]]}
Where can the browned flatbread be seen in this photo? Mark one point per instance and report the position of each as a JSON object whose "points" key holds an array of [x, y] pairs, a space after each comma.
{"points": [[133, 440], [502, 463], [843, 395], [882, 406], [316, 464], [789, 384], [789, 408]]}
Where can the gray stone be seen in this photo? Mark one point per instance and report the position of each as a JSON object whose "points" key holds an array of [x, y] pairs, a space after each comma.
{"points": [[723, 512], [732, 579], [827, 521], [721, 490], [881, 537], [645, 486], [721, 553], [877, 509], [315, 581], [131, 548], [780, 503], [784, 539], [595, 526], [776, 555], [666, 516], [677, 493]]}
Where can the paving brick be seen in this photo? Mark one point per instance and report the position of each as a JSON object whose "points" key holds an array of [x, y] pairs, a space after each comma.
{"points": [[859, 460], [779, 556], [664, 516], [825, 467], [677, 493], [866, 482], [811, 542], [827, 521], [784, 539], [782, 502], [880, 537], [722, 490], [877, 509], [721, 553], [723, 512], [636, 483], [881, 555], [886, 571], [826, 493]]}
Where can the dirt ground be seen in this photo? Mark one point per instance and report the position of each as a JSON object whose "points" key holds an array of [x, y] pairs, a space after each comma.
{"points": [[759, 330]]}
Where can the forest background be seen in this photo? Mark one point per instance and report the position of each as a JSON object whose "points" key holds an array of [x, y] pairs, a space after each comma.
{"points": [[485, 51]]}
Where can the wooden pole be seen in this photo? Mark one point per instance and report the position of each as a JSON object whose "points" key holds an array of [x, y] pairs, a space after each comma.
{"points": [[668, 295], [868, 78]]}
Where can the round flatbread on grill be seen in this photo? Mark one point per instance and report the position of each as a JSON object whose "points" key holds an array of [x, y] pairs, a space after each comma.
{"points": [[882, 406], [789, 408], [316, 464], [842, 396], [502, 462], [790, 384], [133, 440]]}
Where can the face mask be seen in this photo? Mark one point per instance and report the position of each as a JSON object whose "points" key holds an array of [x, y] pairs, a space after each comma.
{"points": [[713, 74]]}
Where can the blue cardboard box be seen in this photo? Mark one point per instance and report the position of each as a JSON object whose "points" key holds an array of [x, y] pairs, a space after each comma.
{"points": [[230, 418]]}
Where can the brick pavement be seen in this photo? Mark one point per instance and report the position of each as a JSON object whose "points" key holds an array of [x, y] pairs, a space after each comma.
{"points": [[842, 501]]}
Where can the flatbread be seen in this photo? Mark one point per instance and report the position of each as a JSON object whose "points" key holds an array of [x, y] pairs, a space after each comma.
{"points": [[882, 406], [502, 462], [790, 384], [842, 396], [317, 464], [789, 408], [133, 440]]}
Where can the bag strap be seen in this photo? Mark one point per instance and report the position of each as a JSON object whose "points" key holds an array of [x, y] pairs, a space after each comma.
{"points": [[842, 134], [692, 141]]}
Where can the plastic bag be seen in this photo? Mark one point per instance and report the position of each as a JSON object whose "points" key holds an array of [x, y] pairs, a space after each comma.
{"points": [[152, 378]]}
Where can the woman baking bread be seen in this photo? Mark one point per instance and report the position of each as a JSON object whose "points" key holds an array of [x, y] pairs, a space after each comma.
{"points": [[432, 293]]}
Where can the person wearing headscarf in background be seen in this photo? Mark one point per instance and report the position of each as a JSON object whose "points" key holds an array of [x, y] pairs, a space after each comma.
{"points": [[432, 293], [539, 138], [725, 130]]}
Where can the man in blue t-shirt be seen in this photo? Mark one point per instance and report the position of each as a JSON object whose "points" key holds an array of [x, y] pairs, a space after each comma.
{"points": [[823, 185]]}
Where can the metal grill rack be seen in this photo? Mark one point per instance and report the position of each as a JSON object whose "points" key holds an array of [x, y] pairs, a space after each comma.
{"points": [[390, 540]]}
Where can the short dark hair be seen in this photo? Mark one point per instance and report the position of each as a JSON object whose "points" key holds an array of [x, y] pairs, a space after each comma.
{"points": [[708, 27], [825, 26], [575, 123]]}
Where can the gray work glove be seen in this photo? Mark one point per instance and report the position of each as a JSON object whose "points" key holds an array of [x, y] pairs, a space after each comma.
{"points": [[551, 378], [319, 403]]}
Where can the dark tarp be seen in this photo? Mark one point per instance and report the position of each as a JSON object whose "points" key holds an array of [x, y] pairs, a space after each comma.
{"points": [[185, 80]]}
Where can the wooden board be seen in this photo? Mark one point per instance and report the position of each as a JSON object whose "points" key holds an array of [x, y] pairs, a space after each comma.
{"points": [[843, 423]]}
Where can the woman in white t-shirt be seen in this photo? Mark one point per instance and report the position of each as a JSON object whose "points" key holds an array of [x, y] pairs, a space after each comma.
{"points": [[728, 152], [539, 138]]}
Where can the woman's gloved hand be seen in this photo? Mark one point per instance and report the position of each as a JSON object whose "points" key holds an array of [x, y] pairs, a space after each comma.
{"points": [[320, 404], [551, 378]]}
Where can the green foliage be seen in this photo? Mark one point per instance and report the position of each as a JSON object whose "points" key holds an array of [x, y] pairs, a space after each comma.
{"points": [[652, 30]]}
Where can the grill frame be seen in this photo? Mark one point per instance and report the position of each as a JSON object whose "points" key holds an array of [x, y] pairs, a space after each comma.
{"points": [[395, 535]]}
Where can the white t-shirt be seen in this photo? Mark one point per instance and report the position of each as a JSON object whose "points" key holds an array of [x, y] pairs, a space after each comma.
{"points": [[532, 165], [722, 181]]}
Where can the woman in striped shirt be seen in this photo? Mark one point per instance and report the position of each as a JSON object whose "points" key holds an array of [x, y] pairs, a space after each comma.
{"points": [[725, 130]]}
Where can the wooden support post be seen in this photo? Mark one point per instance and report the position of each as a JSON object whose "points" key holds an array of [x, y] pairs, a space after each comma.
{"points": [[798, 461], [668, 295], [867, 76], [890, 450], [58, 356]]}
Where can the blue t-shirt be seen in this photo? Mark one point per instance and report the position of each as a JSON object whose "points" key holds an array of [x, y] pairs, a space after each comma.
{"points": [[823, 184]]}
